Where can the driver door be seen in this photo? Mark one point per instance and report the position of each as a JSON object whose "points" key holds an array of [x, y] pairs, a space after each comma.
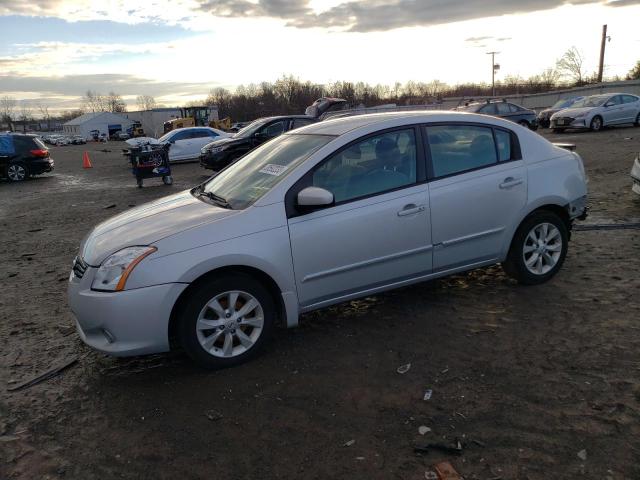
{"points": [[613, 111], [377, 233]]}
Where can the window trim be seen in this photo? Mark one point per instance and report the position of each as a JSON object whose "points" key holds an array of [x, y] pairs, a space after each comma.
{"points": [[306, 179], [516, 153]]}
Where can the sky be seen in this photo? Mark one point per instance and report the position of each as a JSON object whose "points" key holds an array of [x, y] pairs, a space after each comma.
{"points": [[53, 51]]}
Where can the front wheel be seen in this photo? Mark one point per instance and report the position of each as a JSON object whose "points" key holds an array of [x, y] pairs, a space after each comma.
{"points": [[596, 124], [227, 321], [538, 249], [167, 180]]}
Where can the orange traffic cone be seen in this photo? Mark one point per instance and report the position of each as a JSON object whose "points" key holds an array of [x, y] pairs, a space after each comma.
{"points": [[86, 163]]}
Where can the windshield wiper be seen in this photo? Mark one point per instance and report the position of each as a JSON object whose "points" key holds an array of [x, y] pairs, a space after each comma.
{"points": [[217, 199]]}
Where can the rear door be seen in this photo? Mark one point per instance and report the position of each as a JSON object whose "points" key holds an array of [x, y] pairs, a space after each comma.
{"points": [[201, 137], [631, 108], [477, 191]]}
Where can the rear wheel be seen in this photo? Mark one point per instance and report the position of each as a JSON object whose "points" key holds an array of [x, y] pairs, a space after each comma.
{"points": [[637, 122], [596, 123], [168, 180], [17, 172], [538, 249], [227, 321]]}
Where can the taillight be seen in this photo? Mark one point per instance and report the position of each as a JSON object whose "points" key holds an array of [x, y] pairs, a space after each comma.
{"points": [[39, 153]]}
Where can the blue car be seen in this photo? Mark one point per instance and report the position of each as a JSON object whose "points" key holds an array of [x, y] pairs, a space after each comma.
{"points": [[544, 117], [503, 109]]}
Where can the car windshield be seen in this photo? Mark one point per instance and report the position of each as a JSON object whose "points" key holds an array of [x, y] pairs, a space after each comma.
{"points": [[564, 103], [167, 136], [260, 170], [251, 128], [593, 101]]}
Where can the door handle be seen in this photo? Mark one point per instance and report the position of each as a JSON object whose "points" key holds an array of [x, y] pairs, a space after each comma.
{"points": [[510, 182], [410, 209]]}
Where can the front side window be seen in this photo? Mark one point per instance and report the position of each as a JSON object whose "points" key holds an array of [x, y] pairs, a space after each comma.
{"points": [[273, 130], [248, 179], [466, 147], [300, 122], [489, 109], [504, 108], [614, 100], [375, 165]]}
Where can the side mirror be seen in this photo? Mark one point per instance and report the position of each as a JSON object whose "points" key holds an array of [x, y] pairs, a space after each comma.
{"points": [[608, 104], [311, 197]]}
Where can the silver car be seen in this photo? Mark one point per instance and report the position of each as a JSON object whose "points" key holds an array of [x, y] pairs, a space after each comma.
{"points": [[598, 111], [324, 214]]}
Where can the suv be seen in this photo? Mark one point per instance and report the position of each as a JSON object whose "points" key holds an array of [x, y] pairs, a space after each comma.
{"points": [[22, 156], [220, 153], [503, 109]]}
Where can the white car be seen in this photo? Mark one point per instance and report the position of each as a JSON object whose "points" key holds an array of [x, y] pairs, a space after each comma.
{"points": [[186, 143], [598, 111], [320, 215]]}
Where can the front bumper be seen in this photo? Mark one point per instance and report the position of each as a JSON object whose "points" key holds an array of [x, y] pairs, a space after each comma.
{"points": [[215, 161], [131, 322], [568, 122]]}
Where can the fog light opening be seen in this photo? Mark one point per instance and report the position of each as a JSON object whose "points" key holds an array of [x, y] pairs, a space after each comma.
{"points": [[108, 335]]}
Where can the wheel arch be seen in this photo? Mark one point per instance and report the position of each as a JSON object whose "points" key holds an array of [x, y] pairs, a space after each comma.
{"points": [[260, 275], [552, 207]]}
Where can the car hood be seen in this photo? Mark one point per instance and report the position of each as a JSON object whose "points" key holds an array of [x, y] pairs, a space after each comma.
{"points": [[134, 142], [147, 224], [548, 112], [574, 112], [225, 142]]}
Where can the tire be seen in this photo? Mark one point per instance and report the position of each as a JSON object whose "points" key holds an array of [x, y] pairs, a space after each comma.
{"points": [[596, 124], [221, 346], [637, 122], [524, 123], [558, 130], [168, 180], [545, 260], [139, 182], [17, 172]]}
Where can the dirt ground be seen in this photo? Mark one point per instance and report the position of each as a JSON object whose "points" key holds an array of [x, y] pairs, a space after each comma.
{"points": [[526, 377]]}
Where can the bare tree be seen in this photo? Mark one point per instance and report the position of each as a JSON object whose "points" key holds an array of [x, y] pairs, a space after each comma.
{"points": [[114, 103], [571, 65], [634, 73], [7, 107], [146, 102], [26, 114], [94, 102], [44, 113]]}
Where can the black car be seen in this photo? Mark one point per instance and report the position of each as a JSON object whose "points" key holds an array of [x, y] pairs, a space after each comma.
{"points": [[544, 117], [22, 156], [504, 109], [220, 153]]}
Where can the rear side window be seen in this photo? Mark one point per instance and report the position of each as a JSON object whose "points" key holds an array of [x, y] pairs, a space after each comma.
{"points": [[503, 141], [460, 148], [504, 108], [488, 109], [629, 98], [24, 143]]}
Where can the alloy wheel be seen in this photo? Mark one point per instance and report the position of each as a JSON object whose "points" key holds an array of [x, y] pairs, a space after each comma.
{"points": [[596, 124], [542, 248], [230, 324], [16, 173]]}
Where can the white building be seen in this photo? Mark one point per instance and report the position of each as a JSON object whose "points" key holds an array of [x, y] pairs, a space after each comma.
{"points": [[104, 122]]}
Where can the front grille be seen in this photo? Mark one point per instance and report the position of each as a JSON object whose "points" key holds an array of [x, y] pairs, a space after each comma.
{"points": [[564, 120], [79, 267]]}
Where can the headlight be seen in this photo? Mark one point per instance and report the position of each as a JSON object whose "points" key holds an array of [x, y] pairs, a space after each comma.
{"points": [[114, 271], [217, 149]]}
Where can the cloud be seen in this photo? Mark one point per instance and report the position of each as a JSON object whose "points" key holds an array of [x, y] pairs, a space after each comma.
{"points": [[379, 15], [67, 90]]}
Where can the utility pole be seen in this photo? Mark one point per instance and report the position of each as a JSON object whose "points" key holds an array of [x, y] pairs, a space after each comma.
{"points": [[602, 48], [494, 68]]}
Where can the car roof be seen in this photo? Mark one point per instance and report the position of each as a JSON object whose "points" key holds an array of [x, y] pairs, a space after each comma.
{"points": [[339, 126]]}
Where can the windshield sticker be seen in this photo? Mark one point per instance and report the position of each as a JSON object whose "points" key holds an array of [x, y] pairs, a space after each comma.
{"points": [[272, 169]]}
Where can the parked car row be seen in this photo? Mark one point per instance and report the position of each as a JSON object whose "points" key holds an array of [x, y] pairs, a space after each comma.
{"points": [[61, 140], [311, 218]]}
